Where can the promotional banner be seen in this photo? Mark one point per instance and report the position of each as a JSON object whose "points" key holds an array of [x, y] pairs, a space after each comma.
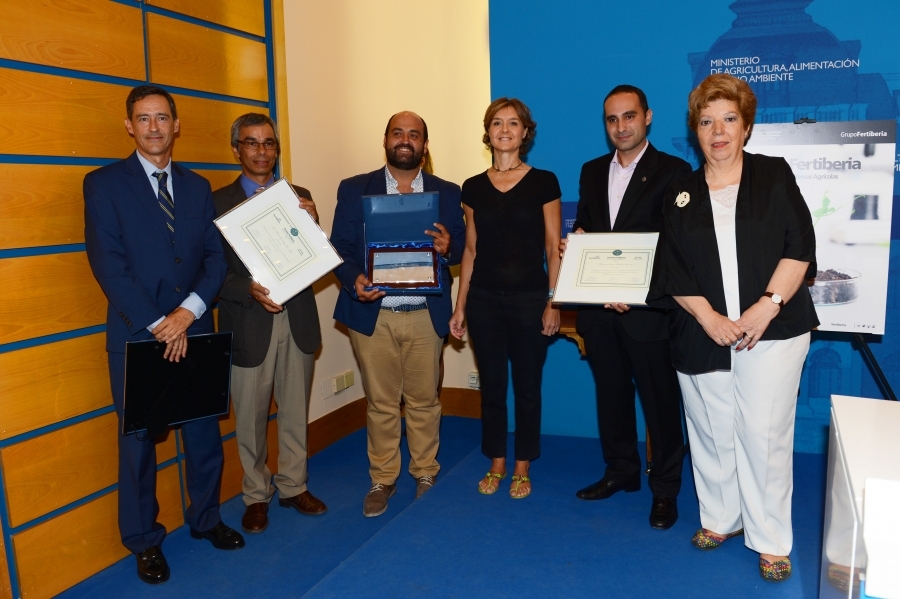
{"points": [[845, 171], [825, 61]]}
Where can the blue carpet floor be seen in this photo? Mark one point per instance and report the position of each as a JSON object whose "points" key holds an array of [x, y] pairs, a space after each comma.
{"points": [[455, 542]]}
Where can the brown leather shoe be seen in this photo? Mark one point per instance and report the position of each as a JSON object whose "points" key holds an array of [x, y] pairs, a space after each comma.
{"points": [[305, 503], [256, 518], [376, 501]]}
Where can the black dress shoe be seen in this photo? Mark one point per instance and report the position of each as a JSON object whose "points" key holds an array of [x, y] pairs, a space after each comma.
{"points": [[221, 536], [151, 565], [664, 512], [606, 487]]}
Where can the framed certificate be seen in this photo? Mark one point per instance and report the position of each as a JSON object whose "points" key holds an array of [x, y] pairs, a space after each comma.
{"points": [[278, 241], [603, 268]]}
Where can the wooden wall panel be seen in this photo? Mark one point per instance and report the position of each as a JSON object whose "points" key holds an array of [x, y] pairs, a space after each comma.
{"points": [[336, 425], [227, 423], [48, 294], [205, 134], [41, 205], [53, 470], [232, 473], [281, 91], [46, 384], [461, 402], [165, 447], [218, 179], [5, 588], [97, 36], [245, 15], [65, 550], [187, 55], [48, 115]]}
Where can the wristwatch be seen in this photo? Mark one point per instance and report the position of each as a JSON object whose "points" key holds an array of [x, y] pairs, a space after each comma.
{"points": [[776, 299]]}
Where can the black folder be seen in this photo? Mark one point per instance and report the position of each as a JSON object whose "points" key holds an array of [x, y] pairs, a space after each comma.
{"points": [[160, 393]]}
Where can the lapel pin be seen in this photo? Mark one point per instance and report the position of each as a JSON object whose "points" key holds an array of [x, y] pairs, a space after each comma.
{"points": [[682, 200], [643, 179]]}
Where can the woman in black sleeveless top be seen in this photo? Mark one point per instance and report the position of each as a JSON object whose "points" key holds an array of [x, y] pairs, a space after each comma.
{"points": [[504, 287]]}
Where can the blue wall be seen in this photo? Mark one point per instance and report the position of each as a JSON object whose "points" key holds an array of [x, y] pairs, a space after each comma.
{"points": [[562, 62]]}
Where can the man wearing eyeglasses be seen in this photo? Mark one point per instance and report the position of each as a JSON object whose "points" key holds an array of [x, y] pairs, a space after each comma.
{"points": [[273, 345]]}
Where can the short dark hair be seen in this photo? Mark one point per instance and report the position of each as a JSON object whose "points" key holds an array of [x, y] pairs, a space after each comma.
{"points": [[629, 89], [141, 92], [722, 86], [252, 119], [424, 124], [524, 115]]}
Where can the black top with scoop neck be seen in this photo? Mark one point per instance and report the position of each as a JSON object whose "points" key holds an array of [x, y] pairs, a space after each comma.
{"points": [[509, 251]]}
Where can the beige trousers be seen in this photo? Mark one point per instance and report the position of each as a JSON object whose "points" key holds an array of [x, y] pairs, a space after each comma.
{"points": [[289, 371], [401, 360]]}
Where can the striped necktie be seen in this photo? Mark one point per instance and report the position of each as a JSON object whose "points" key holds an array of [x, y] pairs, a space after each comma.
{"points": [[165, 200]]}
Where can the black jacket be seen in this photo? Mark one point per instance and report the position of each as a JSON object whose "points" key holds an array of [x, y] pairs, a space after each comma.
{"points": [[640, 212], [772, 222]]}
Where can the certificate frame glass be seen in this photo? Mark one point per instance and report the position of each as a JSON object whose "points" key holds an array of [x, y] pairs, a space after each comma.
{"points": [[155, 388], [281, 245], [604, 268]]}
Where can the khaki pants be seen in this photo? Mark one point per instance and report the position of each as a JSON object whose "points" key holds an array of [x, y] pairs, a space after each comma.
{"points": [[401, 360], [289, 371]]}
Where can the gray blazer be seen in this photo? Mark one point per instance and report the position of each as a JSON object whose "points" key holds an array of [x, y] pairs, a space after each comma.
{"points": [[241, 314]]}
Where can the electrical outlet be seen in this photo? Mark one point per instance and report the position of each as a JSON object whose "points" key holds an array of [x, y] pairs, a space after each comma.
{"points": [[474, 383], [341, 381]]}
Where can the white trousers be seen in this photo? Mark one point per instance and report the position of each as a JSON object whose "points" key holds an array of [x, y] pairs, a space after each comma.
{"points": [[741, 428]]}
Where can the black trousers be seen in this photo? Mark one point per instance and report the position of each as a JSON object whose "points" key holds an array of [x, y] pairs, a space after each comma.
{"points": [[505, 328], [203, 459], [617, 361]]}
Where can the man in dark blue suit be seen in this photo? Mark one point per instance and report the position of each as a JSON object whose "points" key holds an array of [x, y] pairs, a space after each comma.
{"points": [[156, 253], [397, 339]]}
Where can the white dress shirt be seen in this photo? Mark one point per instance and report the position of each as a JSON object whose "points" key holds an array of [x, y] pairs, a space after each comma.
{"points": [[617, 183]]}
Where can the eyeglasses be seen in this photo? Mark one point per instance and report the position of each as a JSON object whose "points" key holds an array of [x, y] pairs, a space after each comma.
{"points": [[252, 144]]}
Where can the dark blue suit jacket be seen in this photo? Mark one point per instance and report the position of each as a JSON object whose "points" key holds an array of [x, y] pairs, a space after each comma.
{"points": [[348, 237], [143, 274]]}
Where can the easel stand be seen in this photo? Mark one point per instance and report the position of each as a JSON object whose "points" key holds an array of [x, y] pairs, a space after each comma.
{"points": [[876, 369]]}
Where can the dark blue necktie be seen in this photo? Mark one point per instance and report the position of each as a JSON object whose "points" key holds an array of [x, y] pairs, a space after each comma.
{"points": [[165, 200]]}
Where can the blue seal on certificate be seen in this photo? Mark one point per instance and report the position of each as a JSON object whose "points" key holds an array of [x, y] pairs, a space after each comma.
{"points": [[294, 232], [617, 252]]}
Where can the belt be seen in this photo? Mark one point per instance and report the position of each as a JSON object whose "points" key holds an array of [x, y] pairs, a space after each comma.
{"points": [[406, 307]]}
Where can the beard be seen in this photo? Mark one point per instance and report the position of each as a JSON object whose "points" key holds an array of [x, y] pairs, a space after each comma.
{"points": [[407, 162]]}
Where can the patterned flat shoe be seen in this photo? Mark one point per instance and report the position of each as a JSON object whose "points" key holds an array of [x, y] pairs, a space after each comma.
{"points": [[707, 542], [491, 487], [778, 571]]}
